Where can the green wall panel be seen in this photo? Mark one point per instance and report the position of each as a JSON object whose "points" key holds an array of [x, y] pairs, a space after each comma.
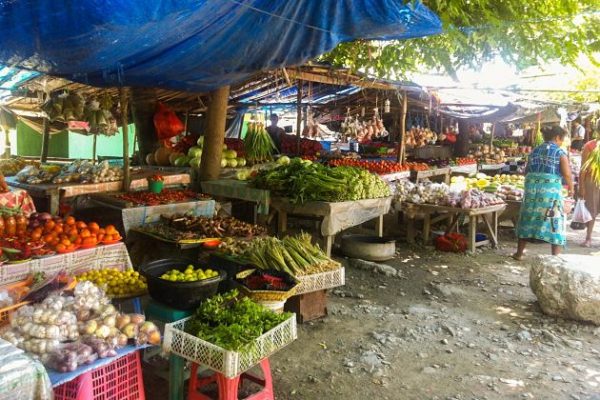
{"points": [[29, 142]]}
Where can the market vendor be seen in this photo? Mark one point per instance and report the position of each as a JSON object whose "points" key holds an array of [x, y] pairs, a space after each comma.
{"points": [[542, 216], [275, 131], [578, 137]]}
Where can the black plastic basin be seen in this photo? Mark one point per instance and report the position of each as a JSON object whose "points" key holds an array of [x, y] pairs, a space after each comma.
{"points": [[179, 295]]}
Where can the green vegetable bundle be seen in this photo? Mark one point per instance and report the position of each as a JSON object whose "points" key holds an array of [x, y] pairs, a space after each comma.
{"points": [[592, 165], [295, 255], [231, 322], [303, 181], [258, 144]]}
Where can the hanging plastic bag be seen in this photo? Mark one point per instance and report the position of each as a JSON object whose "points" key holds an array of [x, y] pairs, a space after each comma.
{"points": [[166, 122], [451, 242], [581, 213]]}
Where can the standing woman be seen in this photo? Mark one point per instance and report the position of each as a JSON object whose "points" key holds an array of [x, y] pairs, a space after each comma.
{"points": [[542, 217], [589, 188]]}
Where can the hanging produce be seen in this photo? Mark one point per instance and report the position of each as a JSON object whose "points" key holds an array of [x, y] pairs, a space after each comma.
{"points": [[419, 137], [166, 122], [353, 129], [258, 145]]}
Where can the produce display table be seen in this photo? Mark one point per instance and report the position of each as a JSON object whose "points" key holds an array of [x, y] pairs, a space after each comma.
{"points": [[397, 176], [469, 169], [493, 168], [21, 377], [18, 199], [335, 217], [488, 214], [134, 217], [56, 192], [241, 190], [103, 256], [431, 173]]}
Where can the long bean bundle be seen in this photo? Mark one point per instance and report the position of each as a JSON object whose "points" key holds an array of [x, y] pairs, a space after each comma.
{"points": [[258, 144]]}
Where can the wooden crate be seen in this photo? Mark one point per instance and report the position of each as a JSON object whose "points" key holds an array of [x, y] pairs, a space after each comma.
{"points": [[308, 306]]}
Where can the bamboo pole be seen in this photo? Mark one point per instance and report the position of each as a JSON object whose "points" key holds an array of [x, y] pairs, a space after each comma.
{"points": [[94, 148], [45, 140], [298, 115], [210, 165], [124, 100], [402, 142]]}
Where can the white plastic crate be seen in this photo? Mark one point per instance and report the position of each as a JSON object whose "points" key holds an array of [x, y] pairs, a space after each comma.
{"points": [[321, 281], [229, 363]]}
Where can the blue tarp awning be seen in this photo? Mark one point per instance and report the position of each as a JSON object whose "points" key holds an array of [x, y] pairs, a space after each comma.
{"points": [[191, 45]]}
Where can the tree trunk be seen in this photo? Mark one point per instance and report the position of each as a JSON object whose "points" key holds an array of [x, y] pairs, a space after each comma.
{"points": [[143, 106], [461, 148], [210, 165]]}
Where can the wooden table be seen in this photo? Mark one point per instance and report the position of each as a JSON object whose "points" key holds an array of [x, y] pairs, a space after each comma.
{"points": [[444, 173], [54, 193], [489, 215], [334, 216]]}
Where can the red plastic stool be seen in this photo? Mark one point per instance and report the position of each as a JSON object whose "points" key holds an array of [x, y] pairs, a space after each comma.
{"points": [[228, 387]]}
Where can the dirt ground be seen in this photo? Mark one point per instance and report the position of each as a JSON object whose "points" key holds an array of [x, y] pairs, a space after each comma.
{"points": [[448, 327]]}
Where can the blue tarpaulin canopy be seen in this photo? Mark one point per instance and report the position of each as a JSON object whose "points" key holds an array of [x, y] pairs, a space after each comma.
{"points": [[191, 45]]}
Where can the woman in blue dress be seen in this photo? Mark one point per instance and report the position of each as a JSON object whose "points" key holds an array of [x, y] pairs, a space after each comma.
{"points": [[542, 217]]}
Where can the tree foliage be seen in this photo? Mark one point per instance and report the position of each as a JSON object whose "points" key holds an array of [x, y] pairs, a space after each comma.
{"points": [[522, 32]]}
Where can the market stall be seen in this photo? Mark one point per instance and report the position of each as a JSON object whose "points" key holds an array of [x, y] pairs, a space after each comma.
{"points": [[141, 208], [334, 217], [240, 190], [54, 193]]}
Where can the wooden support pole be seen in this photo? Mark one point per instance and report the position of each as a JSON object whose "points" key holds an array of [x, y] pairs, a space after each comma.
{"points": [[298, 116], [210, 165], [124, 100], [94, 148], [45, 140], [492, 135], [402, 142]]}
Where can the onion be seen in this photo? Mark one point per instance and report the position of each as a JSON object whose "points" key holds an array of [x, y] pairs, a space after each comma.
{"points": [[44, 216]]}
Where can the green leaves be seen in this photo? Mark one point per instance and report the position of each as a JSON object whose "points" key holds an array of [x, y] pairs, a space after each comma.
{"points": [[523, 33]]}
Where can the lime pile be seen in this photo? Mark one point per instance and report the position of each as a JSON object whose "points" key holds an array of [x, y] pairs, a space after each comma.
{"points": [[189, 274], [115, 282]]}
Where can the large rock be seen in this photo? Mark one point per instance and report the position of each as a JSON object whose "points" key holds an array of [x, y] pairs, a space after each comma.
{"points": [[568, 286]]}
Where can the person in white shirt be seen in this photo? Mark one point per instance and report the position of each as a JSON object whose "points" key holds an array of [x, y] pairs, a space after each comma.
{"points": [[578, 137]]}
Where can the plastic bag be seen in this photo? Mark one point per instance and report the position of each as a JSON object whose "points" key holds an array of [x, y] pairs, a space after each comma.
{"points": [[451, 242], [166, 123], [581, 213]]}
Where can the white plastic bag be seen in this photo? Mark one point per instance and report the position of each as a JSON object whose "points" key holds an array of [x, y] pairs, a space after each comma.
{"points": [[581, 214]]}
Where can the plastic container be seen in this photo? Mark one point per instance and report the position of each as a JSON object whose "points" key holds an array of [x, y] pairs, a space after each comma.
{"points": [[120, 380], [231, 266], [155, 186], [178, 295]]}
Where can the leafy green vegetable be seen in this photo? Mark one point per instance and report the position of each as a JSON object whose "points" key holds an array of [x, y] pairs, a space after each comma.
{"points": [[303, 181], [231, 322]]}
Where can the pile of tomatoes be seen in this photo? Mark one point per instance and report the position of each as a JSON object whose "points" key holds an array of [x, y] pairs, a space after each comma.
{"points": [[380, 167], [66, 235], [465, 161], [417, 166]]}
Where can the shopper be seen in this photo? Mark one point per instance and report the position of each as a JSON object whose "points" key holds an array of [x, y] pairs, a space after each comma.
{"points": [[275, 131], [589, 190], [542, 218], [578, 136]]}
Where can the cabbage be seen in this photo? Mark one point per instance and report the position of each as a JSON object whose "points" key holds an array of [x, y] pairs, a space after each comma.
{"points": [[241, 162], [223, 163], [283, 160], [232, 163], [195, 152], [229, 154], [195, 162]]}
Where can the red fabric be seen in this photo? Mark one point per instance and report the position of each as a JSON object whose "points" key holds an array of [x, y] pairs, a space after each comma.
{"points": [[166, 123], [451, 242], [18, 199], [591, 145]]}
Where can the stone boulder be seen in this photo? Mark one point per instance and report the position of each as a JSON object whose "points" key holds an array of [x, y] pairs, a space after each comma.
{"points": [[568, 286]]}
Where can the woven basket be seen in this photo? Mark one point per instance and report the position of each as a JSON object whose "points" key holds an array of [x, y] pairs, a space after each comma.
{"points": [[265, 295]]}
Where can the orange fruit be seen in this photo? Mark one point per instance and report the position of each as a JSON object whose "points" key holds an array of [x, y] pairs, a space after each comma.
{"points": [[110, 229], [93, 226], [48, 238], [50, 224], [101, 231], [85, 233], [70, 220], [73, 232], [55, 241], [61, 247]]}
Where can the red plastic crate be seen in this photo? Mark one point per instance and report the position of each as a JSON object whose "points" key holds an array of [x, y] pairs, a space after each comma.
{"points": [[119, 380]]}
